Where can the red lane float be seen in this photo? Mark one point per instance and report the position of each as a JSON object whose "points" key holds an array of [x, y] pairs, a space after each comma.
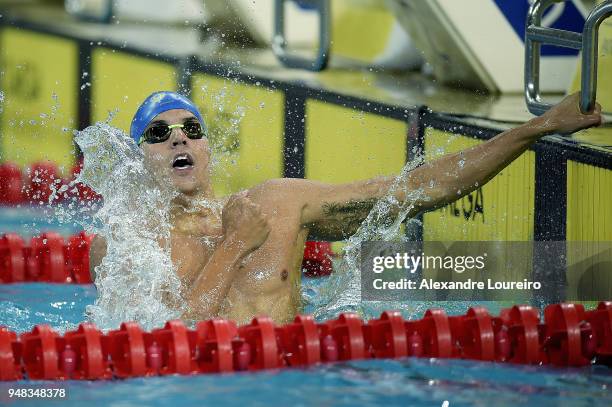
{"points": [[76, 253], [301, 342], [317, 259], [386, 337], [434, 328], [49, 258], [46, 262], [12, 259], [10, 356], [11, 184], [568, 336], [600, 321], [37, 184], [41, 179], [347, 333], [40, 358], [82, 356], [214, 342], [473, 334], [125, 348]]}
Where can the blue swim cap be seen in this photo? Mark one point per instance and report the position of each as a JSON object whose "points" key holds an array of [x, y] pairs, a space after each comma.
{"points": [[157, 103]]}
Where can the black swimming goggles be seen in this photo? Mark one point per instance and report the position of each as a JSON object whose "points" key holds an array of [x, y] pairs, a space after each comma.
{"points": [[158, 133]]}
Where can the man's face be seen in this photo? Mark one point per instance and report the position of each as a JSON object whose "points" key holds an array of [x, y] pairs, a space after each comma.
{"points": [[178, 160]]}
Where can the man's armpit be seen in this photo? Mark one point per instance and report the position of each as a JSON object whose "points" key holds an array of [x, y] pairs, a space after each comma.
{"points": [[340, 220]]}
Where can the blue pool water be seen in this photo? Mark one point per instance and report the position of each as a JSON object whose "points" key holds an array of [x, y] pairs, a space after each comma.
{"points": [[410, 381], [28, 221]]}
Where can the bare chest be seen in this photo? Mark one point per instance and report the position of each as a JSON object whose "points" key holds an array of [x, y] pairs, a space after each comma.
{"points": [[270, 267], [277, 262]]}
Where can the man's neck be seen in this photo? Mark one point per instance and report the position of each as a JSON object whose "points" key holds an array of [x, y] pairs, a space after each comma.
{"points": [[185, 207]]}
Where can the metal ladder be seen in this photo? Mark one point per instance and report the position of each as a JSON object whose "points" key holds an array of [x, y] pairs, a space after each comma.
{"points": [[279, 43], [587, 42]]}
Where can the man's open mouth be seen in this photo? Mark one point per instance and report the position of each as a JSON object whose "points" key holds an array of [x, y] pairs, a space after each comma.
{"points": [[182, 161]]}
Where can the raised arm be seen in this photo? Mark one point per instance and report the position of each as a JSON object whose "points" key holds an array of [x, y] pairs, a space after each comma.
{"points": [[334, 212]]}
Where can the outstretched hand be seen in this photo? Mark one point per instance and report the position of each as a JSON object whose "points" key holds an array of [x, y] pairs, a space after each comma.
{"points": [[566, 118]]}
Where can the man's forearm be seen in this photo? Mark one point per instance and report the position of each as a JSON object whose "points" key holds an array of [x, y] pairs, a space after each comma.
{"points": [[208, 290], [450, 177]]}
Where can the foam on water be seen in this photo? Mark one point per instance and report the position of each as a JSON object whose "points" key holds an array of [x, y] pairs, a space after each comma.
{"points": [[136, 280], [342, 293]]}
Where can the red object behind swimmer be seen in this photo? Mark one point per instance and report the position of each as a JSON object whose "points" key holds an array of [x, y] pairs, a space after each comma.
{"points": [[317, 259], [84, 192], [41, 177], [46, 261], [11, 184], [50, 259], [77, 256], [12, 259]]}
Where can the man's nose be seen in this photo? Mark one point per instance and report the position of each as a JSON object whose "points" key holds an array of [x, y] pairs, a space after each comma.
{"points": [[178, 137]]}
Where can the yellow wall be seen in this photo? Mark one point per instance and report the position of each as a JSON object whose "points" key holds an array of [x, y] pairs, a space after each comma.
{"points": [[360, 30], [501, 210], [506, 202], [589, 202], [246, 125], [589, 220], [121, 82], [344, 144], [39, 112]]}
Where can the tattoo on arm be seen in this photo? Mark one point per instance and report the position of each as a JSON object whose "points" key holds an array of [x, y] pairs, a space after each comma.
{"points": [[341, 220], [352, 212]]}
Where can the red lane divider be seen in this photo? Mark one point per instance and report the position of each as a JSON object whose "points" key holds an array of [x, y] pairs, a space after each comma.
{"points": [[317, 259], [11, 184], [12, 258], [37, 183], [49, 258], [569, 336]]}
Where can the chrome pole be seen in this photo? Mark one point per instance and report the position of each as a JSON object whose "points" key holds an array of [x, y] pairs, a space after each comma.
{"points": [[587, 42], [279, 42]]}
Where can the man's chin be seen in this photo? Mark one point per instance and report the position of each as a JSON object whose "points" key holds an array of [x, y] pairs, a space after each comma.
{"points": [[186, 188]]}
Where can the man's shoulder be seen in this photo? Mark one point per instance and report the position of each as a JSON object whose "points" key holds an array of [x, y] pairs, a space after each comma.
{"points": [[278, 188]]}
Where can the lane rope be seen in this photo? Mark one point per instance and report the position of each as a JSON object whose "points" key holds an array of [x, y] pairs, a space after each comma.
{"points": [[568, 336]]}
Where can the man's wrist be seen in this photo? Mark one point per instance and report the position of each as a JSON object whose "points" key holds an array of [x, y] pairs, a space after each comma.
{"points": [[234, 247], [542, 126]]}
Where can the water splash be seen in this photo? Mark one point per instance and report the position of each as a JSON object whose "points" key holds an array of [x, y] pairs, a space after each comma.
{"points": [[342, 292], [136, 280]]}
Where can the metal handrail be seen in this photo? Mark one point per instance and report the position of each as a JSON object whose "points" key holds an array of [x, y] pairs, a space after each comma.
{"points": [[590, 45], [587, 42], [279, 43]]}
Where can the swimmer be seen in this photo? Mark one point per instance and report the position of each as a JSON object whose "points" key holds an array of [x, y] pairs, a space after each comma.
{"points": [[245, 260]]}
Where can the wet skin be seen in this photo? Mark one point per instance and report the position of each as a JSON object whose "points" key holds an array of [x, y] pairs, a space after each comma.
{"points": [[244, 258]]}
